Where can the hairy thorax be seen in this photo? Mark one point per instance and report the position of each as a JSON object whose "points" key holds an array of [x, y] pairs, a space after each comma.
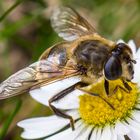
{"points": [[92, 55]]}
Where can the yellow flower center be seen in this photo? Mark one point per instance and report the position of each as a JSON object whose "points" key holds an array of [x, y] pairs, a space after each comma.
{"points": [[97, 111]]}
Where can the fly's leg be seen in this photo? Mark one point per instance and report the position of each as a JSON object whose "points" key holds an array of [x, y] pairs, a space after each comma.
{"points": [[65, 92], [120, 87], [60, 113], [59, 96], [106, 85], [95, 94], [127, 88]]}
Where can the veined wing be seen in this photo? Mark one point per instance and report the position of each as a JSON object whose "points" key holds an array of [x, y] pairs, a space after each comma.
{"points": [[36, 75], [69, 24]]}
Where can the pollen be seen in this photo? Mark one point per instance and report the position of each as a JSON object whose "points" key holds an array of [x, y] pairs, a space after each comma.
{"points": [[101, 110]]}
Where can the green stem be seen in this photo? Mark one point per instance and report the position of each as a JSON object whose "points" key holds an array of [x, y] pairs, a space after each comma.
{"points": [[10, 9], [10, 118]]}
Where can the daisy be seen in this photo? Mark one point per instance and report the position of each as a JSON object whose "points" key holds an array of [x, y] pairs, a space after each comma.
{"points": [[94, 118]]}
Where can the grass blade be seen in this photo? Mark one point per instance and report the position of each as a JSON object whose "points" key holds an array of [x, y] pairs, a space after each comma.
{"points": [[10, 118], [10, 9]]}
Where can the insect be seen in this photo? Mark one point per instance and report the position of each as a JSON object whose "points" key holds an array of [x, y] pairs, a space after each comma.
{"points": [[84, 53]]}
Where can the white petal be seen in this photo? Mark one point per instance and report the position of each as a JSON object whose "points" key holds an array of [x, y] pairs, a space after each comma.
{"points": [[98, 135], [137, 55], [120, 137], [44, 126], [43, 94], [121, 128], [33, 134], [132, 45], [106, 134], [136, 67], [134, 134], [114, 135], [134, 124], [85, 134], [136, 115], [71, 101], [134, 127], [68, 133], [94, 134], [136, 72]]}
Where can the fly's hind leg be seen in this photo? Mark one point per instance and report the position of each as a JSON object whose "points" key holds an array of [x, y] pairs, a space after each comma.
{"points": [[65, 92], [59, 96], [60, 113]]}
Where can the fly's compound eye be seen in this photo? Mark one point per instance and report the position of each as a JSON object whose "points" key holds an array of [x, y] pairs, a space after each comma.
{"points": [[113, 68]]}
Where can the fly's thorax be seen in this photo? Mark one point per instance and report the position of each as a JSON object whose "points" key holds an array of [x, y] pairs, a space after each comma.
{"points": [[92, 54], [95, 36]]}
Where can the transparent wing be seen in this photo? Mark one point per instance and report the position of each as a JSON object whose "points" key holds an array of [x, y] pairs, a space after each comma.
{"points": [[69, 24], [38, 74]]}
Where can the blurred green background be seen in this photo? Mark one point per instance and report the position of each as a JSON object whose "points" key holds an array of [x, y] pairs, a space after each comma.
{"points": [[25, 32]]}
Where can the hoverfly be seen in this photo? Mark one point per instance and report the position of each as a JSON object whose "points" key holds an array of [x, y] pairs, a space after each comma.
{"points": [[84, 54]]}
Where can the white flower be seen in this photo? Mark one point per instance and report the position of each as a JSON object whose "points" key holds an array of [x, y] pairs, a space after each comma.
{"points": [[93, 120]]}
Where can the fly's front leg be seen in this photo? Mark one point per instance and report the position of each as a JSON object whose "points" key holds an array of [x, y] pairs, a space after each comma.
{"points": [[119, 87], [59, 96], [106, 85], [127, 88]]}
